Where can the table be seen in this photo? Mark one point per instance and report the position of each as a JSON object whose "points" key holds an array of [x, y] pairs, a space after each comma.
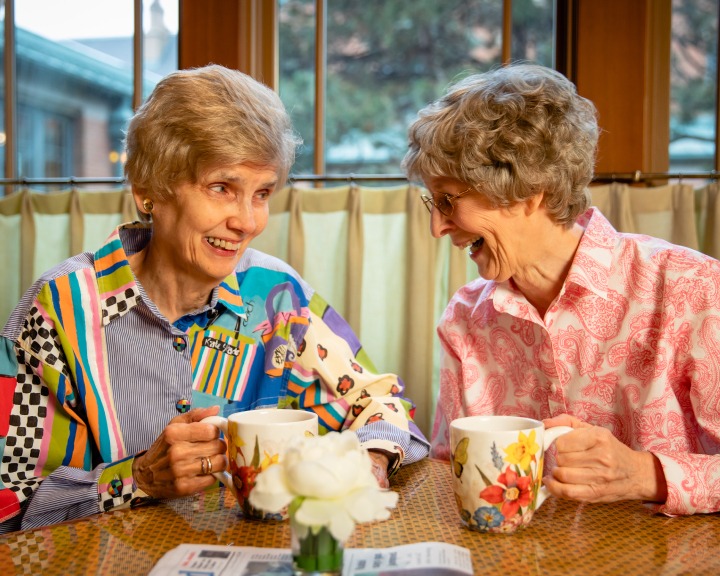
{"points": [[564, 537]]}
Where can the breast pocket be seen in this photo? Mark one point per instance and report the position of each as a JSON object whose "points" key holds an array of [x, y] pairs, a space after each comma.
{"points": [[223, 362]]}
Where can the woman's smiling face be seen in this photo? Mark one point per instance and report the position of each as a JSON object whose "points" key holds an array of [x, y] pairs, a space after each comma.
{"points": [[494, 236], [205, 228]]}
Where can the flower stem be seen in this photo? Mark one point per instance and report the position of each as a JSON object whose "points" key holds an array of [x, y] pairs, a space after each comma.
{"points": [[319, 552]]}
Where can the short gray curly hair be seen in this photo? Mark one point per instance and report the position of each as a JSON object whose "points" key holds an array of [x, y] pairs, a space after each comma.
{"points": [[510, 133]]}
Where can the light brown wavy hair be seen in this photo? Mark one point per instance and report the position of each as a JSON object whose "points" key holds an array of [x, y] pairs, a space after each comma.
{"points": [[510, 134], [198, 118]]}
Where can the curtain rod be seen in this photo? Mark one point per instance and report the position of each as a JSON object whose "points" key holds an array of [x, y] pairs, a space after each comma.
{"points": [[636, 176], [70, 180], [121, 181], [639, 176]]}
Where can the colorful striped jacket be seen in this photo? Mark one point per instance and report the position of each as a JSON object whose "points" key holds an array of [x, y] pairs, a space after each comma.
{"points": [[91, 373]]}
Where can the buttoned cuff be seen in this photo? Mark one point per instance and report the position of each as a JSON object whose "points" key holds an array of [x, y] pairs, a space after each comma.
{"points": [[117, 489]]}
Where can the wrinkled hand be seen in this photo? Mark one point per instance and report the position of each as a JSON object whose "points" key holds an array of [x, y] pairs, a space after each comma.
{"points": [[172, 466], [380, 464], [594, 466]]}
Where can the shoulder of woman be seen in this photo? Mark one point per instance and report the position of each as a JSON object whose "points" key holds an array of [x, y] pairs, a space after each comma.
{"points": [[64, 269]]}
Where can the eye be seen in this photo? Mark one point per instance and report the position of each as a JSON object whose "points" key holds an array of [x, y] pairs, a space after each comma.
{"points": [[220, 189], [444, 202], [263, 195]]}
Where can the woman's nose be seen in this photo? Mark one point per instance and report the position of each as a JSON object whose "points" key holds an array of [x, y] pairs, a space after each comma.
{"points": [[439, 223], [242, 217]]}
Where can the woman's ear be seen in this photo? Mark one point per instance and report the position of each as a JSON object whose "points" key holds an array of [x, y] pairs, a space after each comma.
{"points": [[533, 203], [143, 204]]}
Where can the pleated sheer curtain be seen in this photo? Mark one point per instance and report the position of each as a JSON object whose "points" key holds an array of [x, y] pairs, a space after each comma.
{"points": [[366, 250]]}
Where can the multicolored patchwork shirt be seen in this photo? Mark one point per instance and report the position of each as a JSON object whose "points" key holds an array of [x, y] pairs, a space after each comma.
{"points": [[91, 373]]}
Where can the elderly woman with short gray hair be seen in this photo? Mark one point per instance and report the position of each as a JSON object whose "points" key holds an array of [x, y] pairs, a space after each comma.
{"points": [[570, 321], [112, 359]]}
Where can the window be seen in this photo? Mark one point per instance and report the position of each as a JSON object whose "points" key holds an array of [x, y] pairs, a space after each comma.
{"points": [[694, 75], [380, 62], [45, 142], [74, 63], [384, 61]]}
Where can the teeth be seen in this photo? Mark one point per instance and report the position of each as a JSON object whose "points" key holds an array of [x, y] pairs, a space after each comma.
{"points": [[470, 243], [218, 243]]}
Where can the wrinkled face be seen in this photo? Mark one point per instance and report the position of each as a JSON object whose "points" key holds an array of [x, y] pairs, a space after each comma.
{"points": [[493, 236], [203, 230]]}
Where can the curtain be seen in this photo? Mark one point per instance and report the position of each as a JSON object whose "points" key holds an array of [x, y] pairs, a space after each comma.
{"points": [[38, 231], [672, 212], [367, 251]]}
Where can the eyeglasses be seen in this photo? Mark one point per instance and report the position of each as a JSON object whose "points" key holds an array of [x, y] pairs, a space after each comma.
{"points": [[445, 203]]}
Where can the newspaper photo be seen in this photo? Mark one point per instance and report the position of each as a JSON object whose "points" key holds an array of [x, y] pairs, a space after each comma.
{"points": [[427, 558]]}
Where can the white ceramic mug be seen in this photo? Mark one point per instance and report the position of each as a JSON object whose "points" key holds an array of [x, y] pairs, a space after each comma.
{"points": [[497, 464], [255, 441]]}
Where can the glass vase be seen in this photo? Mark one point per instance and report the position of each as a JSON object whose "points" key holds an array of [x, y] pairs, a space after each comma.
{"points": [[315, 551]]}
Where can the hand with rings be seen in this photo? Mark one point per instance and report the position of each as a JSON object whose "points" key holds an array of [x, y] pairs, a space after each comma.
{"points": [[169, 468]]}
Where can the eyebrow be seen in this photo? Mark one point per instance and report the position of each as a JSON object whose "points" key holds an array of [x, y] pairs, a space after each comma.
{"points": [[225, 177]]}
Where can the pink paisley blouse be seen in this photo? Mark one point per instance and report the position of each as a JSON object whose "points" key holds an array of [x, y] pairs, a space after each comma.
{"points": [[632, 343]]}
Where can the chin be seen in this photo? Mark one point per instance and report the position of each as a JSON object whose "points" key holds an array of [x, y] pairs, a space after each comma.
{"points": [[491, 275]]}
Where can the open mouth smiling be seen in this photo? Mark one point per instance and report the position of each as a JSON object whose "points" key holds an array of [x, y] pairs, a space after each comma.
{"points": [[474, 245], [223, 244]]}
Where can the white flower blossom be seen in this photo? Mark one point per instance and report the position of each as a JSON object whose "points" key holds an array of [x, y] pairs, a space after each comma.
{"points": [[330, 482]]}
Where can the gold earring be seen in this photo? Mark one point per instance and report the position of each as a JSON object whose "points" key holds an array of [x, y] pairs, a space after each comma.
{"points": [[148, 205]]}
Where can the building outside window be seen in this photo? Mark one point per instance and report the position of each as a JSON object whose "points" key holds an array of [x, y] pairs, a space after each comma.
{"points": [[74, 82]]}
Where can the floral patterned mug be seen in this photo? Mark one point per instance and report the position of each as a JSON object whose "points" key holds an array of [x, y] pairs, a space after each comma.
{"points": [[255, 441], [497, 464]]}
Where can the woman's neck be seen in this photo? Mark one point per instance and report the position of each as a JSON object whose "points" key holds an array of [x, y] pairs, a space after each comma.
{"points": [[549, 263], [174, 293]]}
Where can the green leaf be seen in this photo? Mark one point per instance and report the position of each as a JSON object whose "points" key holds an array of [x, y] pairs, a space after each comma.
{"points": [[487, 480], [256, 454]]}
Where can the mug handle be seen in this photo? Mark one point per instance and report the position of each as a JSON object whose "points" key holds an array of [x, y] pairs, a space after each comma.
{"points": [[224, 476], [550, 435]]}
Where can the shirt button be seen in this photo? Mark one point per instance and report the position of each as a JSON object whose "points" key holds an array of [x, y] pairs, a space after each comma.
{"points": [[553, 388], [179, 343], [115, 487], [183, 405]]}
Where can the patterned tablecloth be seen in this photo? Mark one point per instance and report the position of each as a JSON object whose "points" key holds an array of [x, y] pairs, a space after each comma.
{"points": [[564, 537]]}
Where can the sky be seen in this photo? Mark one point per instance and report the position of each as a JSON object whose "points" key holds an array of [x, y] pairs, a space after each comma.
{"points": [[73, 19]]}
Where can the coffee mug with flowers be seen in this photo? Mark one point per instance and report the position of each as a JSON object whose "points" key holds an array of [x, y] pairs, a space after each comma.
{"points": [[497, 464], [256, 438]]}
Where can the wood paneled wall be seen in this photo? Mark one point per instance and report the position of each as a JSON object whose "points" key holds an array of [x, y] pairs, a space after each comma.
{"points": [[622, 63], [238, 34]]}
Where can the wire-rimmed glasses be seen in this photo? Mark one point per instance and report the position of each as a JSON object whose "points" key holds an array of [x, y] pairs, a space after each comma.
{"points": [[445, 203]]}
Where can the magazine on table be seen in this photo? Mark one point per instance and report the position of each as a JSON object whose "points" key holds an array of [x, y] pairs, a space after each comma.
{"points": [[426, 558]]}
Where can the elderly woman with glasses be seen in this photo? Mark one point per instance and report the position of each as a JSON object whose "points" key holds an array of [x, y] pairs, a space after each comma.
{"points": [[571, 322]]}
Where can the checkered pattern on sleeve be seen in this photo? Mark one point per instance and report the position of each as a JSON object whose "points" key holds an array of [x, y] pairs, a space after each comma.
{"points": [[29, 410], [116, 486], [22, 445], [41, 339]]}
